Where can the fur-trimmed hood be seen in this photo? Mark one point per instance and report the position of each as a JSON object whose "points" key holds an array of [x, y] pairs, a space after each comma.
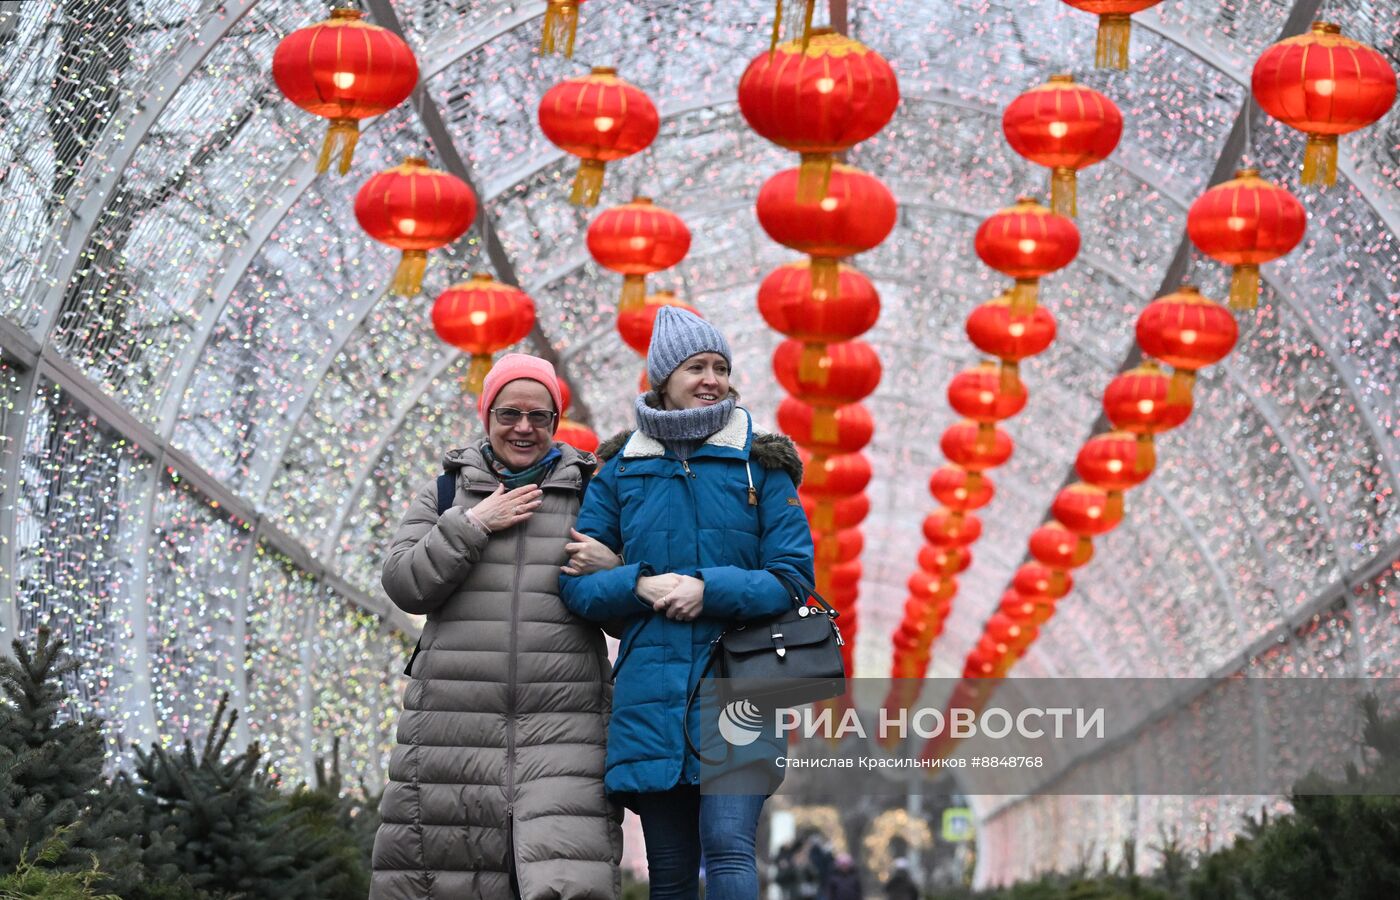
{"points": [[771, 451]]}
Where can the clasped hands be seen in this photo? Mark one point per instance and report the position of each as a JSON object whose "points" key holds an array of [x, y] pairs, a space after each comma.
{"points": [[678, 597]]}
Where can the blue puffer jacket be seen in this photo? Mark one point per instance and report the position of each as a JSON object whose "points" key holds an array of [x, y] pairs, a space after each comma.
{"points": [[691, 518]]}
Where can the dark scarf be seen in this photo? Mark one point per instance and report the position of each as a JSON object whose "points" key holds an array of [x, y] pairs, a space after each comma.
{"points": [[681, 431], [511, 478]]}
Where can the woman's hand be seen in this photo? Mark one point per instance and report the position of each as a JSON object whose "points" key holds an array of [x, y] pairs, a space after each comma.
{"points": [[587, 555], [652, 588], [684, 601], [504, 508]]}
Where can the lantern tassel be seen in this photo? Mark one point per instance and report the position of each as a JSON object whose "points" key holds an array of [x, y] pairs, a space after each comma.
{"points": [[824, 519], [1010, 376], [560, 28], [823, 573], [1244, 287], [634, 293], [1179, 388], [814, 177], [797, 17], [1146, 453], [809, 367], [408, 277], [1320, 160], [986, 436], [973, 484], [342, 137], [588, 183], [1057, 582], [1064, 191], [476, 373], [1114, 508], [823, 427], [1025, 296], [826, 278], [1111, 49], [1084, 547]]}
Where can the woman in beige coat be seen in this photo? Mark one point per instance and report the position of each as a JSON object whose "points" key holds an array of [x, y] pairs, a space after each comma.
{"points": [[496, 785]]}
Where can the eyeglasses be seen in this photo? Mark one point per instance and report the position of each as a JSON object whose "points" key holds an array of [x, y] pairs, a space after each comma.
{"points": [[509, 415]]}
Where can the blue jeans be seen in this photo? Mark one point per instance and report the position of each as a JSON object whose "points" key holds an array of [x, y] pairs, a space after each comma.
{"points": [[681, 825]]}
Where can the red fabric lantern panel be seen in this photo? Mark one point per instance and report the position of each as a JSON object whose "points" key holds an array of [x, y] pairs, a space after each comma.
{"points": [[976, 447], [834, 476], [790, 305], [600, 118], [854, 427], [845, 374], [1245, 222], [1010, 635], [1034, 579], [1111, 461], [576, 435], [993, 329], [635, 240], [414, 209], [1059, 548], [1115, 28], [838, 577], [857, 213], [1065, 127], [345, 70], [840, 547], [826, 513], [1187, 331], [959, 489], [1035, 610], [1324, 85], [931, 588], [480, 317], [944, 561], [635, 324], [981, 395], [818, 100], [945, 528], [1140, 401], [560, 27], [1026, 242], [1086, 510]]}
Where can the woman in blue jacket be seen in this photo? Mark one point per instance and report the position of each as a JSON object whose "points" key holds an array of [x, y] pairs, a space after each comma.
{"points": [[706, 516]]}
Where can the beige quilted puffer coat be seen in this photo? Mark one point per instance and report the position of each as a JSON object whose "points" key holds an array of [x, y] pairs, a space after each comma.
{"points": [[499, 762]]}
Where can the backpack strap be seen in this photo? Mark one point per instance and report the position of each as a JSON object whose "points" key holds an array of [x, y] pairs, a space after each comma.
{"points": [[447, 491]]}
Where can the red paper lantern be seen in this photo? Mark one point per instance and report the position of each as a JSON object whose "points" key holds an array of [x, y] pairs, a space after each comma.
{"points": [[959, 489], [1065, 127], [576, 435], [839, 547], [975, 447], [857, 213], [931, 588], [944, 561], [414, 209], [1086, 510], [789, 305], [1140, 401], [839, 577], [1034, 579], [1112, 461], [1324, 85], [1008, 634], [854, 427], [480, 317], [818, 99], [993, 329], [345, 70], [981, 395], [599, 118], [1245, 222], [560, 27], [1035, 610], [849, 372], [1187, 332], [946, 528], [635, 240], [1026, 242], [635, 324], [832, 477], [1115, 28], [987, 660], [826, 513], [1059, 548]]}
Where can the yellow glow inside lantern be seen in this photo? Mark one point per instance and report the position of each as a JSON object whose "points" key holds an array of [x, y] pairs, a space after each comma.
{"points": [[343, 80], [829, 204], [1325, 86], [478, 317], [408, 226], [604, 123], [1017, 329], [1058, 129], [825, 85], [1115, 466], [1145, 406], [1026, 245], [637, 243], [1235, 223], [1188, 336]]}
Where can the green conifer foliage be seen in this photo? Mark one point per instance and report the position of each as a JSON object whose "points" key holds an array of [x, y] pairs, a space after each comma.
{"points": [[51, 779]]}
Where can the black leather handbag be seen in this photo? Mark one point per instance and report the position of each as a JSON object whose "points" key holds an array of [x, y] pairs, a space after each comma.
{"points": [[789, 660]]}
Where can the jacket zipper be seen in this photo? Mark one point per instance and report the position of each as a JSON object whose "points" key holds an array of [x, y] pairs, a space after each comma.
{"points": [[511, 691]]}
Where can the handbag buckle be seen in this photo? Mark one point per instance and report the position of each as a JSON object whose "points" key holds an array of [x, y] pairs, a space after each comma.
{"points": [[778, 642]]}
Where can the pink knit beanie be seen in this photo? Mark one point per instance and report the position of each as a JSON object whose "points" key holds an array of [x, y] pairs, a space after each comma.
{"points": [[514, 366]]}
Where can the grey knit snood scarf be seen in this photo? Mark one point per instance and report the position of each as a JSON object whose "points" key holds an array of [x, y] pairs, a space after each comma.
{"points": [[682, 431]]}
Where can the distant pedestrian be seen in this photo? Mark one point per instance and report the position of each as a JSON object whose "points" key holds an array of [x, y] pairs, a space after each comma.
{"points": [[900, 885], [843, 881]]}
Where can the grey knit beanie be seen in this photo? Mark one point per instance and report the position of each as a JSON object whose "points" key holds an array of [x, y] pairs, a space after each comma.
{"points": [[677, 336]]}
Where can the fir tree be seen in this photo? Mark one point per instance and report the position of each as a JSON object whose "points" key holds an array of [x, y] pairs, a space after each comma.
{"points": [[51, 779]]}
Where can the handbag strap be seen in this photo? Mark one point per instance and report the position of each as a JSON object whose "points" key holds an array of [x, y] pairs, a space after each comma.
{"points": [[690, 701], [801, 592]]}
